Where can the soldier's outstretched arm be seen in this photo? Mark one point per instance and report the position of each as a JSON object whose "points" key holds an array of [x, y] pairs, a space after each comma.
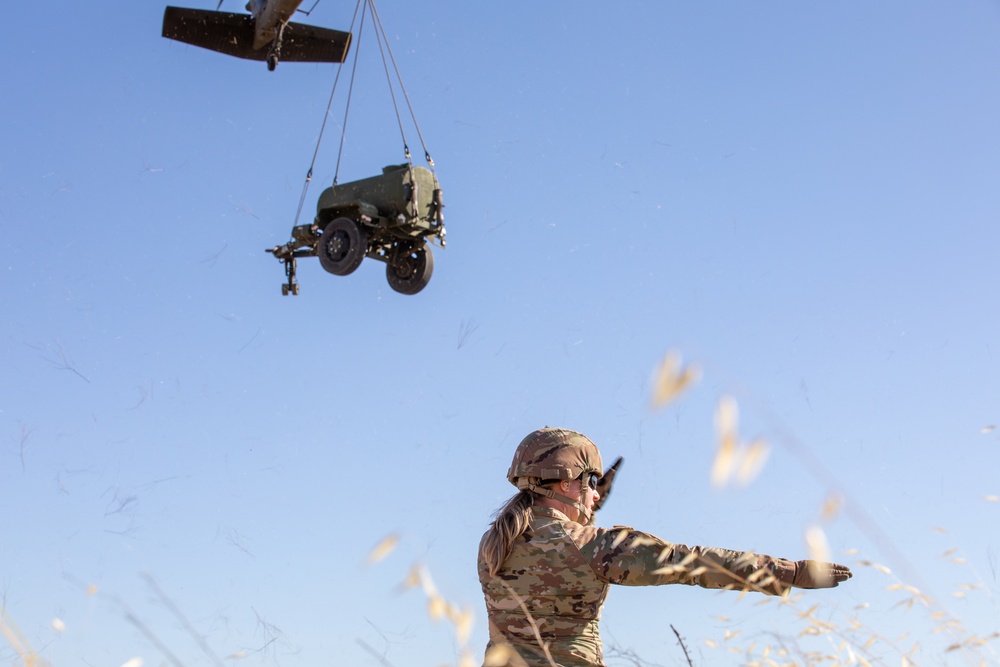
{"points": [[621, 555]]}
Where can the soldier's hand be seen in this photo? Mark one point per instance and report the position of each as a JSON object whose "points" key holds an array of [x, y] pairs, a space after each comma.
{"points": [[817, 574], [604, 484]]}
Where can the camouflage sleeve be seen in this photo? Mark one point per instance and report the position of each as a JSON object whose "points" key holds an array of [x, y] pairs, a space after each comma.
{"points": [[628, 557]]}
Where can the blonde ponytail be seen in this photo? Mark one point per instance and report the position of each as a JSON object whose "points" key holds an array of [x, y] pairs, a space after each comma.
{"points": [[509, 523]]}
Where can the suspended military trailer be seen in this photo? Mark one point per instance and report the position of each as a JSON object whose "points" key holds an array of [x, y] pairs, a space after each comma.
{"points": [[393, 217]]}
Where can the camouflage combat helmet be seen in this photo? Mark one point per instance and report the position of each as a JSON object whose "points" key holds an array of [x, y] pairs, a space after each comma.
{"points": [[553, 454]]}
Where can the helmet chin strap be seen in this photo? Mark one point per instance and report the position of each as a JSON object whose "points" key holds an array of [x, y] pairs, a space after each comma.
{"points": [[585, 514]]}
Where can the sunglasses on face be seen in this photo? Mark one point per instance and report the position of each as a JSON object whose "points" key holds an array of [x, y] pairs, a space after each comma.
{"points": [[592, 479]]}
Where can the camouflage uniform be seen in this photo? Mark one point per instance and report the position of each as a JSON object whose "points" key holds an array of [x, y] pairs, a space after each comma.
{"points": [[560, 571]]}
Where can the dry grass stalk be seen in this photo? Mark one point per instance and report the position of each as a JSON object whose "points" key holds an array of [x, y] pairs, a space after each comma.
{"points": [[19, 642], [531, 621], [438, 608]]}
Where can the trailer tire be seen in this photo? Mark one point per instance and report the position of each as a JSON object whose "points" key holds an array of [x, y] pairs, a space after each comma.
{"points": [[342, 246], [411, 271]]}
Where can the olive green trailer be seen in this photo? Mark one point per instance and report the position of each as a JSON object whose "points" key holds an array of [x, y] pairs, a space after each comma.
{"points": [[392, 217]]}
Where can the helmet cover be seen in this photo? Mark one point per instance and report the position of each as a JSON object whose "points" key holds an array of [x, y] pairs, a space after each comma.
{"points": [[553, 454]]}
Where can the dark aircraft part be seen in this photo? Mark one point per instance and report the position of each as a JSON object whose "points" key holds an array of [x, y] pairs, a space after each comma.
{"points": [[390, 218], [410, 271], [233, 34], [275, 53], [342, 247]]}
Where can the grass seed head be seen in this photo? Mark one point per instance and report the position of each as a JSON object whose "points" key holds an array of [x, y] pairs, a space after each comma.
{"points": [[466, 659], [831, 507], [499, 655], [819, 552], [724, 463], [881, 568], [383, 549], [463, 625], [755, 455], [436, 607], [672, 379]]}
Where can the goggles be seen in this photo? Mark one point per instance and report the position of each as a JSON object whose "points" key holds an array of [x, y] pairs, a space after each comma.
{"points": [[592, 478]]}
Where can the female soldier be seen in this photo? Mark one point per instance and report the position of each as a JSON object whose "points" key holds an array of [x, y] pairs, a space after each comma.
{"points": [[545, 572]]}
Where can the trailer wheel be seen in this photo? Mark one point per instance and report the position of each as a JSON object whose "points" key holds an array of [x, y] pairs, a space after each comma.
{"points": [[411, 271], [342, 246]]}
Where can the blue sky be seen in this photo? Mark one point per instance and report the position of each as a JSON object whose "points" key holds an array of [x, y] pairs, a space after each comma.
{"points": [[800, 199]]}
